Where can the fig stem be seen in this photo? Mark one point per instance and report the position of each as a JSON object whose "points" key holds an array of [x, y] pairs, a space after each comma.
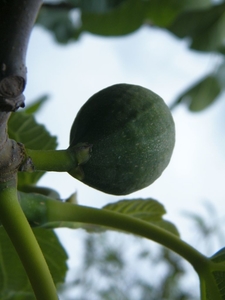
{"points": [[56, 160], [50, 160], [25, 243]]}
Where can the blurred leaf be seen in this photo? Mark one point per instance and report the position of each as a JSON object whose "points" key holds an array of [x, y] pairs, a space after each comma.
{"points": [[24, 129], [201, 95], [148, 210], [163, 12], [36, 105], [60, 23], [125, 19], [14, 284], [220, 74], [68, 19], [205, 27], [195, 4], [99, 6]]}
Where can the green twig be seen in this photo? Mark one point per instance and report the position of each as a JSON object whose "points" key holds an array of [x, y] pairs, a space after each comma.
{"points": [[24, 241], [46, 212]]}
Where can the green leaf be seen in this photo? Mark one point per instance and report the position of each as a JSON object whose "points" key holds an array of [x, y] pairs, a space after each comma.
{"points": [[14, 284], [195, 4], [99, 6], [205, 27], [36, 207], [220, 74], [163, 12], [125, 19], [148, 210], [60, 23], [213, 277], [109, 17], [35, 106], [201, 95], [24, 129], [219, 256]]}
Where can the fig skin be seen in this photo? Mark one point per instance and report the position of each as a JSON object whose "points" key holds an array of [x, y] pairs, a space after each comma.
{"points": [[132, 134]]}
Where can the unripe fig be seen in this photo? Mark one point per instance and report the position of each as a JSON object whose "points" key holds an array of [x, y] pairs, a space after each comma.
{"points": [[132, 134]]}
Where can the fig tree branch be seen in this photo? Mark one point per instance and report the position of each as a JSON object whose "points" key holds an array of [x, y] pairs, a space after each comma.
{"points": [[17, 19]]}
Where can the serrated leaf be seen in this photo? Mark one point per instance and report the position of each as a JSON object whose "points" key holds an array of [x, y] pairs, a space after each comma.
{"points": [[14, 284], [23, 128], [213, 277], [201, 95], [219, 276], [148, 210], [205, 27], [219, 256]]}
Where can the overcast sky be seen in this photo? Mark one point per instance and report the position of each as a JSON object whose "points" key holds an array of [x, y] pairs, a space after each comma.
{"points": [[158, 61]]}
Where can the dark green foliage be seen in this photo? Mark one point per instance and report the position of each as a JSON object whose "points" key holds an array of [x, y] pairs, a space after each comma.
{"points": [[14, 284], [23, 128], [68, 19], [201, 95], [204, 27], [200, 22]]}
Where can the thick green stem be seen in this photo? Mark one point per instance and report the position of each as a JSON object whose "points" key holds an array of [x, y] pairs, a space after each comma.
{"points": [[69, 160], [52, 160], [24, 241], [46, 212], [78, 213]]}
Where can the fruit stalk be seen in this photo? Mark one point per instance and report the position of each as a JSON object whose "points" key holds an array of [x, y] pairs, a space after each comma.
{"points": [[56, 160]]}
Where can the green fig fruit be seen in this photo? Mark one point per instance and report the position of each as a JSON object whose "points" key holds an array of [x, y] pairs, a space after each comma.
{"points": [[132, 134]]}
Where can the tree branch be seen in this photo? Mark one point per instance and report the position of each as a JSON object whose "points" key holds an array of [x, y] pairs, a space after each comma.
{"points": [[17, 19]]}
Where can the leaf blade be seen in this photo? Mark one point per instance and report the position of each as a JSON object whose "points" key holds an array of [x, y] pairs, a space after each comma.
{"points": [[23, 128], [148, 210], [14, 284], [201, 95]]}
